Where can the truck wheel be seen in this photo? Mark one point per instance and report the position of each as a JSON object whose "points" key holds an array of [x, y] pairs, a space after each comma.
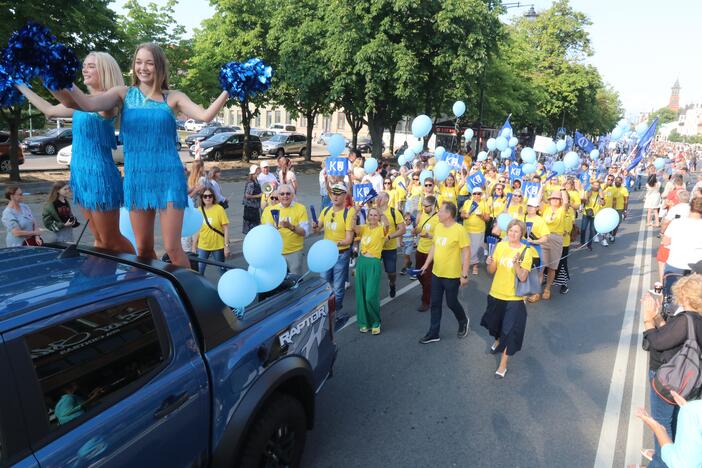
{"points": [[5, 165], [277, 437], [50, 149], [217, 156]]}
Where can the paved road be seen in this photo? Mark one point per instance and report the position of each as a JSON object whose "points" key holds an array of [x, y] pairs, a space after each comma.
{"points": [[566, 400]]}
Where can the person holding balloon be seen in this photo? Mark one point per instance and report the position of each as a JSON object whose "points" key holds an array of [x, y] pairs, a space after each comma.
{"points": [[424, 229], [213, 237], [591, 206], [373, 235], [475, 213], [290, 218]]}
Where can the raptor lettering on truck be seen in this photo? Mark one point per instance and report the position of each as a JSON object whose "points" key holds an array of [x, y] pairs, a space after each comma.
{"points": [[286, 337]]}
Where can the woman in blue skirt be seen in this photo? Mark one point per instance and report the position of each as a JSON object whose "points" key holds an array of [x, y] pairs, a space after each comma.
{"points": [[95, 181], [154, 179]]}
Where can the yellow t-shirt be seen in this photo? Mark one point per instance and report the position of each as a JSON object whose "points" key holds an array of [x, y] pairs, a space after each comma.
{"points": [[474, 223], [335, 227], [503, 283], [372, 240], [517, 210], [593, 202], [555, 219], [295, 214], [569, 220], [575, 199], [609, 194], [448, 242], [427, 223], [391, 244], [539, 228], [497, 206], [620, 194], [448, 194], [208, 239]]}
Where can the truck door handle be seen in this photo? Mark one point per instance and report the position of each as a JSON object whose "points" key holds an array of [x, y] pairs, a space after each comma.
{"points": [[170, 404]]}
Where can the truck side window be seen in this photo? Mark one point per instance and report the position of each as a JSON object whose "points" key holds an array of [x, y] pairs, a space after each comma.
{"points": [[81, 362]]}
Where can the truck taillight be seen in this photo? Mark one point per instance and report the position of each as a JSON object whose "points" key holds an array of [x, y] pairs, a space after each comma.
{"points": [[331, 305]]}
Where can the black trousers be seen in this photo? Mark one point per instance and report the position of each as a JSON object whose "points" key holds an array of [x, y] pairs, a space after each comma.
{"points": [[450, 286]]}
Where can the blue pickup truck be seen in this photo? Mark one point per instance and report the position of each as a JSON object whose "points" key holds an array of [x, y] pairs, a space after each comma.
{"points": [[113, 360]]}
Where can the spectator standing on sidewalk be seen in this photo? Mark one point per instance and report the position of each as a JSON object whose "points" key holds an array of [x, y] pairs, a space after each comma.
{"points": [[57, 215], [424, 229], [19, 221], [252, 200], [449, 259], [212, 182]]}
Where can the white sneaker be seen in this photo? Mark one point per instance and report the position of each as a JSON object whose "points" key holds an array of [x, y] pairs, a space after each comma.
{"points": [[605, 243], [597, 238], [347, 285]]}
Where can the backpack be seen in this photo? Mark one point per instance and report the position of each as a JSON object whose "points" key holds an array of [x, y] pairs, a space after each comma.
{"points": [[682, 373], [326, 210]]}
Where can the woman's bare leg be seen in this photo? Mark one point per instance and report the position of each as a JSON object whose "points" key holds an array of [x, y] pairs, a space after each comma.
{"points": [[171, 228], [143, 226], [106, 223]]}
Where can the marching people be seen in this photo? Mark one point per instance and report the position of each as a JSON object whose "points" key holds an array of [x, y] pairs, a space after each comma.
{"points": [[285, 174], [290, 218], [409, 243], [424, 230], [551, 251], [475, 213], [396, 229], [449, 260], [592, 205], [211, 181], [18, 220], [213, 237], [57, 215], [562, 274], [537, 234]]}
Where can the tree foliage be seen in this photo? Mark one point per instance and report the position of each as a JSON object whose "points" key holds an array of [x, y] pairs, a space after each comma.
{"points": [[664, 114]]}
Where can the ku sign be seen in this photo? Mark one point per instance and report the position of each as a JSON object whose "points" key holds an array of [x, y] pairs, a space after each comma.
{"points": [[361, 191], [515, 172], [531, 189], [337, 166], [476, 180], [454, 160]]}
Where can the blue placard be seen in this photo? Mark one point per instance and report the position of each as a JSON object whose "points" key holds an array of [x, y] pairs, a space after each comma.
{"points": [[337, 166], [515, 172], [361, 191], [531, 189], [454, 160], [476, 180]]}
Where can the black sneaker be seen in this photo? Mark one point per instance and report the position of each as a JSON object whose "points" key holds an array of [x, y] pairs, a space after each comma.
{"points": [[462, 331], [340, 321], [429, 339], [564, 289], [392, 290]]}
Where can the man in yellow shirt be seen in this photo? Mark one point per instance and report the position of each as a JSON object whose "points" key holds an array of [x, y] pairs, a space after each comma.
{"points": [[396, 229], [293, 225], [426, 223], [475, 213], [450, 256], [337, 222], [621, 203]]}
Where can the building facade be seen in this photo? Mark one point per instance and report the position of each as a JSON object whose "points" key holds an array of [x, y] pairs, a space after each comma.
{"points": [[690, 120]]}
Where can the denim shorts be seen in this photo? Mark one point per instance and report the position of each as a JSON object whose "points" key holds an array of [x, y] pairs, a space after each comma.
{"points": [[408, 247], [389, 260]]}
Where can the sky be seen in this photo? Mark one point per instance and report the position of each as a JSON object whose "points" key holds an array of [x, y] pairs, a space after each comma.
{"points": [[640, 46]]}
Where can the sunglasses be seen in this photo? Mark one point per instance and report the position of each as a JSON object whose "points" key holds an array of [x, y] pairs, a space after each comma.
{"points": [[208, 196], [274, 198], [415, 179], [477, 193], [516, 196], [428, 185], [387, 183], [427, 206], [284, 194]]}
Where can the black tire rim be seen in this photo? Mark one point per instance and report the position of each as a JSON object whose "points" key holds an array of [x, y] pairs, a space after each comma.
{"points": [[5, 165], [50, 150], [303, 151], [217, 156], [254, 155], [281, 153], [280, 448]]}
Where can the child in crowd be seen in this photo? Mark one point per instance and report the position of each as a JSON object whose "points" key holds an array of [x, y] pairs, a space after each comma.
{"points": [[409, 243]]}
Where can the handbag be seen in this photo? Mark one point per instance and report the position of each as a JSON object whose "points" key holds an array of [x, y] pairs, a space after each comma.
{"points": [[532, 285], [32, 241], [682, 373]]}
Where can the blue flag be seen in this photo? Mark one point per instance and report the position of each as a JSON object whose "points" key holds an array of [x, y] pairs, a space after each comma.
{"points": [[602, 144], [361, 191], [454, 160], [506, 125], [515, 172], [583, 142], [643, 144]]}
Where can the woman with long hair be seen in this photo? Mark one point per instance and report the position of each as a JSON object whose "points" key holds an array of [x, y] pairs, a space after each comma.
{"points": [[154, 180], [95, 181], [196, 177], [57, 215]]}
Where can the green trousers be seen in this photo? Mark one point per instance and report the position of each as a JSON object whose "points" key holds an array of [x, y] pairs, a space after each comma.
{"points": [[368, 271]]}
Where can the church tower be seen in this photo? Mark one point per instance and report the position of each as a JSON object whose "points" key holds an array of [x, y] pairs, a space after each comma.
{"points": [[674, 103]]}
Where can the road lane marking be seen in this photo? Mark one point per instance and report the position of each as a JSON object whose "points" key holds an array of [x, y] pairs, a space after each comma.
{"points": [[639, 384], [610, 421], [400, 292]]}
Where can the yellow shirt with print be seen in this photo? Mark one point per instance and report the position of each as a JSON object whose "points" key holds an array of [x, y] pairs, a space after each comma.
{"points": [[593, 202], [574, 197], [208, 239], [448, 194], [517, 210], [620, 195], [335, 226], [474, 223], [503, 287], [539, 228], [295, 214], [396, 220], [569, 220], [555, 219], [609, 194], [448, 242], [372, 239], [497, 206], [427, 223]]}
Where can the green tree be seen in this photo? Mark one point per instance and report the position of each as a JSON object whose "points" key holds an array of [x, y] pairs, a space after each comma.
{"points": [[664, 115], [84, 25]]}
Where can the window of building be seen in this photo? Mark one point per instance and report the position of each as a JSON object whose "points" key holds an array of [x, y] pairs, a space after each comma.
{"points": [[238, 119], [258, 120], [269, 118], [277, 117], [326, 123], [83, 361], [340, 121], [303, 122]]}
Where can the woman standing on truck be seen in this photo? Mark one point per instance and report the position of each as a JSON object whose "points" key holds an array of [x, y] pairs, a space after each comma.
{"points": [[57, 215], [154, 180], [95, 181]]}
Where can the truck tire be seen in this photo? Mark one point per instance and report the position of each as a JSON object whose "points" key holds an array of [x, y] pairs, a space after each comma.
{"points": [[277, 436]]}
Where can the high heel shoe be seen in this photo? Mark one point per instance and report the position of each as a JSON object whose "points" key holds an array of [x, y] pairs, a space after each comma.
{"points": [[500, 375]]}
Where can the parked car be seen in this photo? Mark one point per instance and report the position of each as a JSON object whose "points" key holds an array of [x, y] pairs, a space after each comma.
{"points": [[228, 145], [5, 153], [207, 132], [364, 145], [113, 360], [50, 142], [263, 134], [324, 138], [279, 127], [192, 125], [286, 143]]}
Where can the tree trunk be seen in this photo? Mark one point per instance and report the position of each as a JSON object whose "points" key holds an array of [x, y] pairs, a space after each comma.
{"points": [[356, 124], [310, 116], [392, 140], [246, 121], [376, 127]]}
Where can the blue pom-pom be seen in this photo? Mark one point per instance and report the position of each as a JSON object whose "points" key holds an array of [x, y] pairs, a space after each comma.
{"points": [[245, 80], [28, 51], [9, 95], [60, 68]]}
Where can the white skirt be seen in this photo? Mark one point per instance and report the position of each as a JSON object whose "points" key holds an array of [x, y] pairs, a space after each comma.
{"points": [[652, 200]]}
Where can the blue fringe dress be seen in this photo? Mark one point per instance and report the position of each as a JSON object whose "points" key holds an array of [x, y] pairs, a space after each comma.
{"points": [[95, 180], [153, 172]]}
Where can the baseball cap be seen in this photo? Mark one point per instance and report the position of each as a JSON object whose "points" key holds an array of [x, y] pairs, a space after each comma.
{"points": [[339, 188], [555, 194], [477, 190], [252, 169], [264, 164], [533, 202]]}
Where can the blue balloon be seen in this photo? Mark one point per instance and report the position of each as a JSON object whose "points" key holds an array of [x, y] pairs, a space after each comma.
{"points": [[506, 154], [237, 288], [192, 220], [506, 133], [491, 144], [551, 148], [606, 220], [641, 129], [659, 163], [418, 147], [617, 133], [267, 279], [501, 143], [558, 167], [503, 220], [561, 145], [459, 108], [571, 159], [439, 152], [468, 134], [262, 246], [421, 126], [513, 141], [322, 256], [594, 154], [424, 174], [441, 170], [125, 226], [370, 166], [528, 155], [482, 156], [336, 145], [401, 160], [528, 168]]}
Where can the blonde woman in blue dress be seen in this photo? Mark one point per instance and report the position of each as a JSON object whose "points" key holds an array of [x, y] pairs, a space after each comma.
{"points": [[154, 180]]}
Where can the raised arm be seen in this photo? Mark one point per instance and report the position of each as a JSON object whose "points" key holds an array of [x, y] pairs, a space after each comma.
{"points": [[182, 103], [104, 102], [44, 106]]}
